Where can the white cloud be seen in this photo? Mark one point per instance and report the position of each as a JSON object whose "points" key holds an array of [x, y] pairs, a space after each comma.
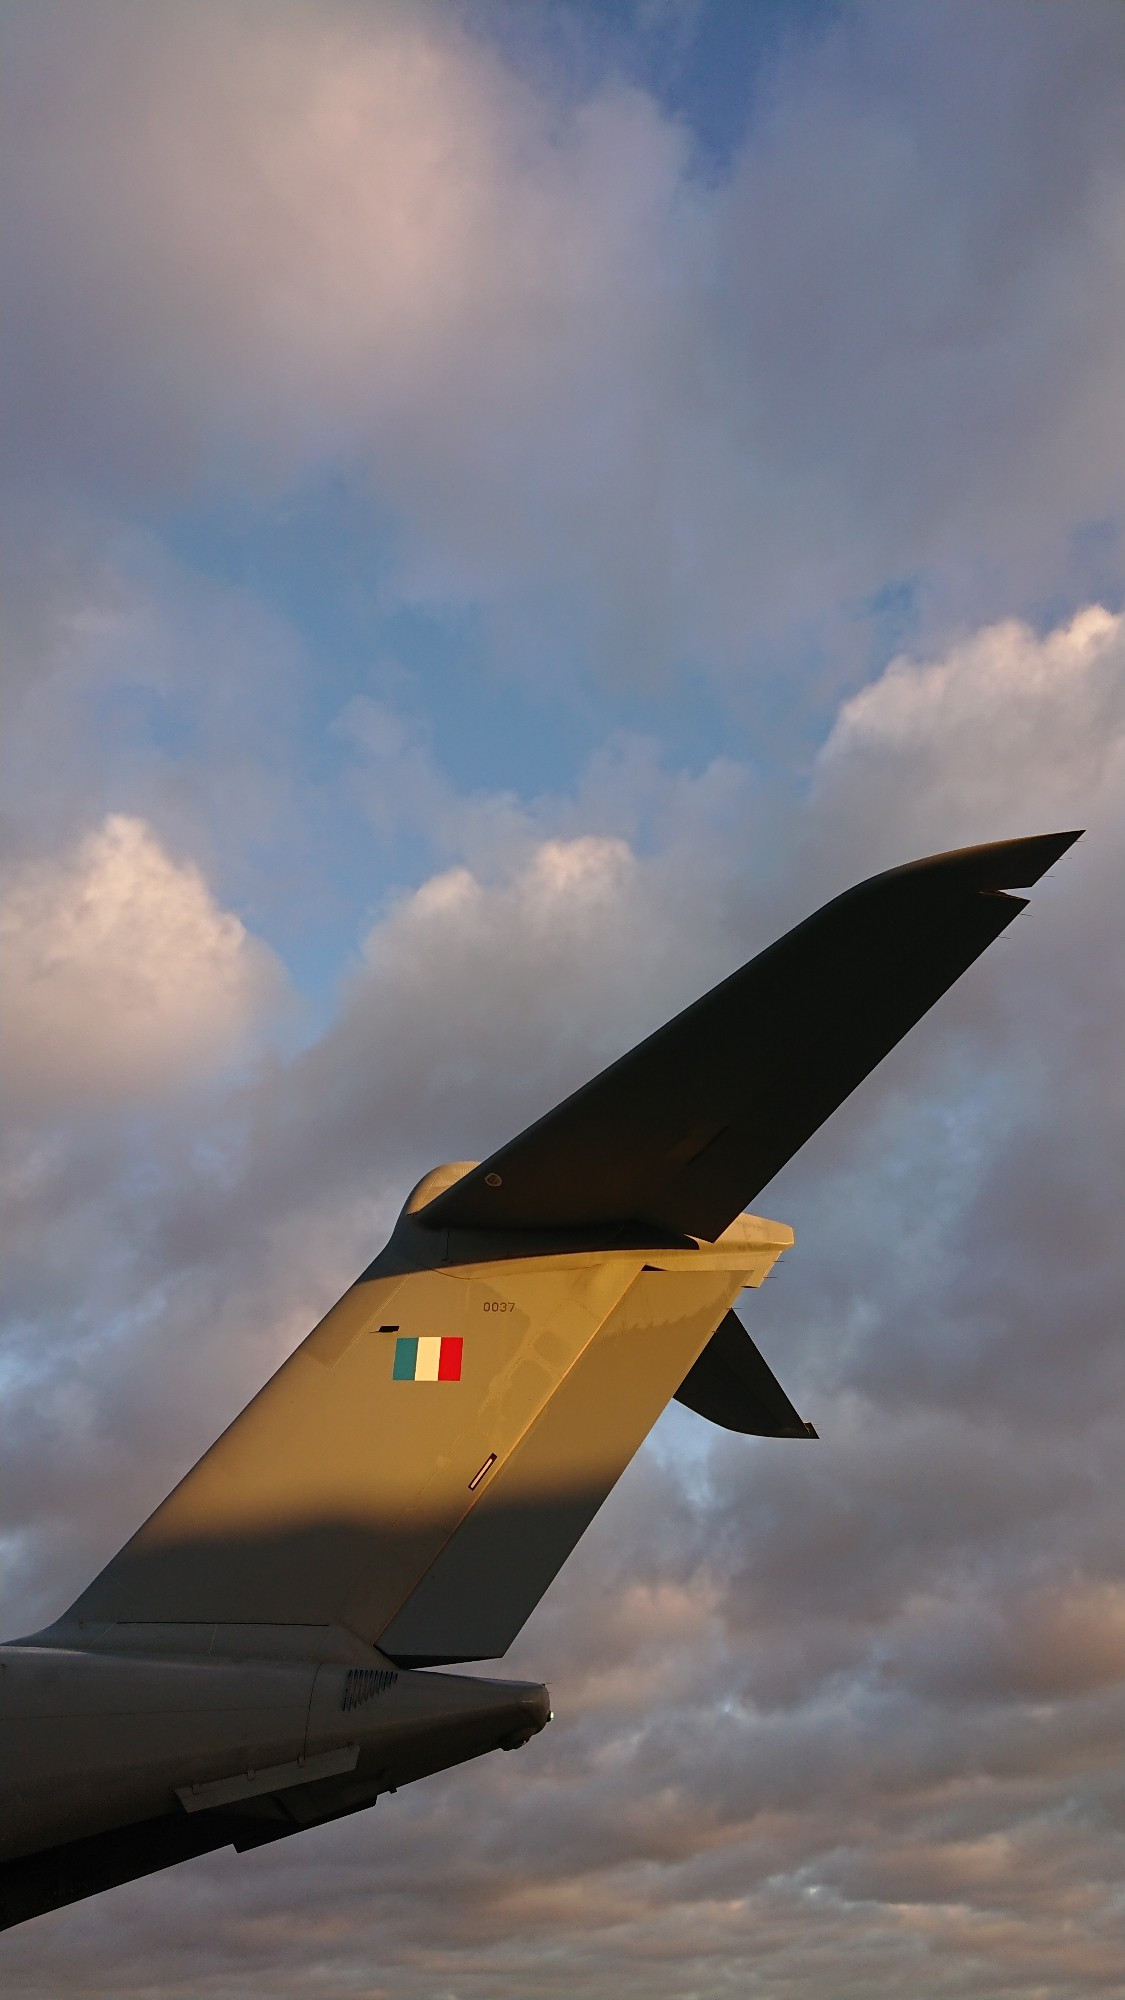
{"points": [[1005, 732], [481, 999], [122, 976]]}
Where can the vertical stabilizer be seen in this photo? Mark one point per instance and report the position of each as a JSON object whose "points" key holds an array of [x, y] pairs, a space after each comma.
{"points": [[419, 1469]]}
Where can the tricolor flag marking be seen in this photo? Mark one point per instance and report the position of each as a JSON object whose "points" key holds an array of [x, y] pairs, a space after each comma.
{"points": [[431, 1358]]}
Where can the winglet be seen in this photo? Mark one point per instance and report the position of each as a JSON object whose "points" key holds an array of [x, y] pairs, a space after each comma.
{"points": [[994, 867]]}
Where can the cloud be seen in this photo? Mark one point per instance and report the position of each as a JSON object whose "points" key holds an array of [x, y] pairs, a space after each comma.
{"points": [[635, 415], [123, 977], [843, 1717], [1006, 724], [853, 1704]]}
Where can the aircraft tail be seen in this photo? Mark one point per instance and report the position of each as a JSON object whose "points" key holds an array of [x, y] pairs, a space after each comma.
{"points": [[419, 1469]]}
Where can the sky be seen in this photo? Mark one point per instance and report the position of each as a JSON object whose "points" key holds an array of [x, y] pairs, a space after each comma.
{"points": [[506, 507]]}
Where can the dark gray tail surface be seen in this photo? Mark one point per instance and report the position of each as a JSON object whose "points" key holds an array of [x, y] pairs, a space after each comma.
{"points": [[684, 1131]]}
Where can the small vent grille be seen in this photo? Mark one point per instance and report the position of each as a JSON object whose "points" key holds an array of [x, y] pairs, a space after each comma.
{"points": [[360, 1683]]}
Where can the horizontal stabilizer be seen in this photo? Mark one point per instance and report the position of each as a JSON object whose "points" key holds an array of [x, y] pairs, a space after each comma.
{"points": [[732, 1385], [685, 1130]]}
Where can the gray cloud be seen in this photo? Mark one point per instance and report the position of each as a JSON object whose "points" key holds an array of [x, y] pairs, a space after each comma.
{"points": [[620, 408], [856, 1705], [835, 1720]]}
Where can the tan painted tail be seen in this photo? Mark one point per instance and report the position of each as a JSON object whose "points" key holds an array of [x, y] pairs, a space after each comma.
{"points": [[422, 1465]]}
